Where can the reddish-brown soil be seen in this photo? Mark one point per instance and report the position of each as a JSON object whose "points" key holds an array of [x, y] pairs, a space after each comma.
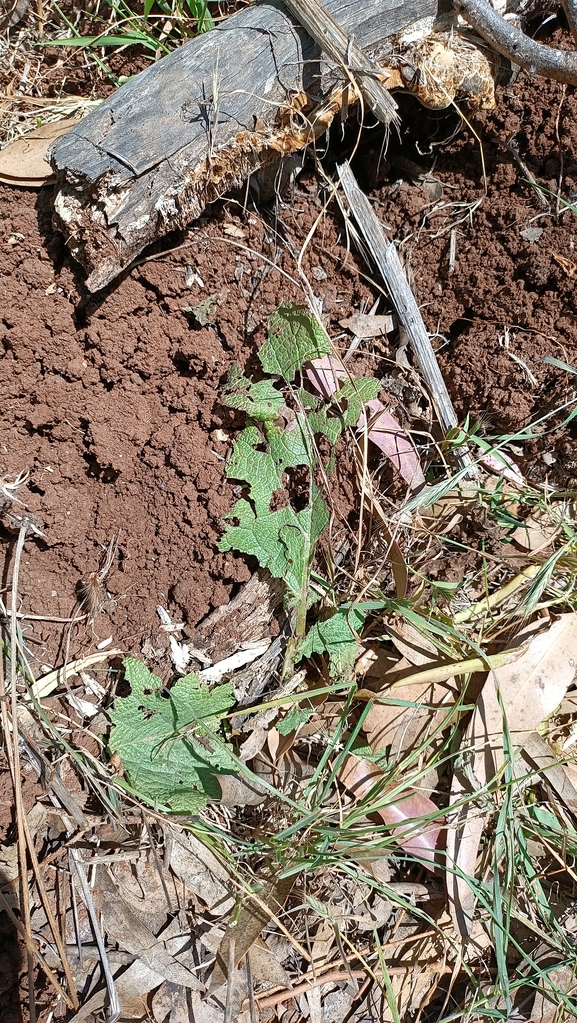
{"points": [[111, 402]]}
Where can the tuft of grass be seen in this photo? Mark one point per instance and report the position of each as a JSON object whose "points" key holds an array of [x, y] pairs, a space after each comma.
{"points": [[161, 26]]}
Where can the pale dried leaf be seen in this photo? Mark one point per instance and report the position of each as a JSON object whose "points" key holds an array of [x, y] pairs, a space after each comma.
{"points": [[411, 644], [538, 753], [253, 917], [201, 871], [288, 775], [546, 1010], [139, 883], [364, 326], [531, 688], [238, 791], [570, 771], [123, 926], [132, 988], [253, 744], [501, 464], [393, 441], [426, 962], [169, 1004], [537, 532], [387, 725], [23, 162], [265, 966], [374, 661], [325, 374]]}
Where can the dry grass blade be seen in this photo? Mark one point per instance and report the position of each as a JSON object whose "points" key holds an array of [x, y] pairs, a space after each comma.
{"points": [[25, 843], [46, 684], [360, 69]]}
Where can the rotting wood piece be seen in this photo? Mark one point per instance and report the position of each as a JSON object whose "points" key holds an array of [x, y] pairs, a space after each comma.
{"points": [[198, 123]]}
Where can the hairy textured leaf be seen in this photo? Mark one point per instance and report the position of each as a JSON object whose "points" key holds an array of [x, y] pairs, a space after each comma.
{"points": [[167, 741], [366, 412], [295, 338], [338, 636], [262, 401], [295, 717]]}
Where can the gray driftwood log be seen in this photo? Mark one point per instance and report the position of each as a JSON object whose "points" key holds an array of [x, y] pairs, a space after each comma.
{"points": [[200, 121]]}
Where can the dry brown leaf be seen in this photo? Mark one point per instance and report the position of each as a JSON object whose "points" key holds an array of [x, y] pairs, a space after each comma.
{"points": [[238, 791], [253, 917], [201, 872], [388, 725], [265, 966], [416, 648], [426, 963], [570, 771], [123, 926], [537, 532], [134, 984], [365, 326], [169, 1004], [22, 162], [388, 435], [538, 753], [374, 661], [531, 688], [547, 1009]]}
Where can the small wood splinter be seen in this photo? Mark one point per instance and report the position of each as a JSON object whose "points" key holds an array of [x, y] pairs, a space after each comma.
{"points": [[93, 593], [519, 48]]}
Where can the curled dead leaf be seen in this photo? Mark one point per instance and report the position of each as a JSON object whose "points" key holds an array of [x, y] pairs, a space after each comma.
{"points": [[23, 161]]}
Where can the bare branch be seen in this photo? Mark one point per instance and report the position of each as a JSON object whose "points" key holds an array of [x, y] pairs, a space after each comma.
{"points": [[514, 44]]}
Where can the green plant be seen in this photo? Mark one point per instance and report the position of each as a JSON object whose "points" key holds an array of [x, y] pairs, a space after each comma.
{"points": [[167, 740], [276, 440]]}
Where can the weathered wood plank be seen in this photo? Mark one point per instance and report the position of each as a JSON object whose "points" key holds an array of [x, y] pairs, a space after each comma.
{"points": [[199, 122]]}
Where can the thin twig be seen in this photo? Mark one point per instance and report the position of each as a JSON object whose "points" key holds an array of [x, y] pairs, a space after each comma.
{"points": [[515, 45], [33, 950], [570, 8], [250, 986], [343, 977], [512, 149], [15, 764], [230, 974]]}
